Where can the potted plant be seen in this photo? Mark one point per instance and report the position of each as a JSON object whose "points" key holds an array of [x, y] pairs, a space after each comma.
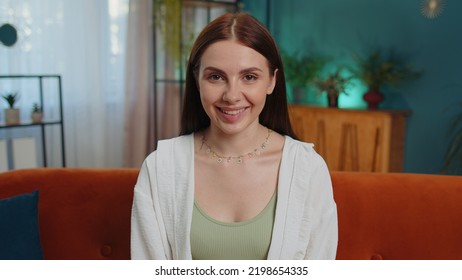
{"points": [[377, 70], [333, 85], [12, 115], [299, 71], [37, 114]]}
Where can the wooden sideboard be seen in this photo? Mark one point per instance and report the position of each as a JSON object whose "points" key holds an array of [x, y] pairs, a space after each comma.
{"points": [[353, 140]]}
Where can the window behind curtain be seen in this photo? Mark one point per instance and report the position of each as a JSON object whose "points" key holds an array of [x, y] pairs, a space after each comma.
{"points": [[84, 42]]}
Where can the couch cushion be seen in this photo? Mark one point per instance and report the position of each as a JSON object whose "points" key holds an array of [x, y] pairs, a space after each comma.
{"points": [[19, 231]]}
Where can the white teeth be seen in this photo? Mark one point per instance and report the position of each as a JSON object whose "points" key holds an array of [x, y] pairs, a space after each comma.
{"points": [[233, 112]]}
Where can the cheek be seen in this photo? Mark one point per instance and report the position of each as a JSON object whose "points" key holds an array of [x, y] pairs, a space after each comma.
{"points": [[257, 95], [208, 95]]}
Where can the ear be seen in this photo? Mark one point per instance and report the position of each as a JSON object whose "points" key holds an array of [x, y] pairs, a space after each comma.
{"points": [[272, 83]]}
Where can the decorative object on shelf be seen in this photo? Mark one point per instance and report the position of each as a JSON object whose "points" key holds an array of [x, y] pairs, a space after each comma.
{"points": [[432, 8], [12, 115], [373, 98], [37, 114], [377, 70], [453, 156], [300, 71], [333, 85], [8, 35]]}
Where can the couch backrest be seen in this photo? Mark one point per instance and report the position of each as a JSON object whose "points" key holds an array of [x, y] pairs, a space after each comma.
{"points": [[85, 213], [398, 216]]}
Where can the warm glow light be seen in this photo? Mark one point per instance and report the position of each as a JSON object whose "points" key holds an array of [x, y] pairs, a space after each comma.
{"points": [[432, 8]]}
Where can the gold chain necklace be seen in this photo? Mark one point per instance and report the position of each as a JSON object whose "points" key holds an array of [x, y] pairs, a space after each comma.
{"points": [[238, 159]]}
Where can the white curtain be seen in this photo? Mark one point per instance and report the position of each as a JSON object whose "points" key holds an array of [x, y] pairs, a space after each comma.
{"points": [[84, 42], [139, 122]]}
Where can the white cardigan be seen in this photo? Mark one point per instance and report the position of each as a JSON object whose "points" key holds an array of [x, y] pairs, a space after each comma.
{"points": [[305, 225]]}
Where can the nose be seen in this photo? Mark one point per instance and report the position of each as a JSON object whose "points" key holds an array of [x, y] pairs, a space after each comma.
{"points": [[232, 93]]}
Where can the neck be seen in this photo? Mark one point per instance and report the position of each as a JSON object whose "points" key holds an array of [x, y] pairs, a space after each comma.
{"points": [[235, 144]]}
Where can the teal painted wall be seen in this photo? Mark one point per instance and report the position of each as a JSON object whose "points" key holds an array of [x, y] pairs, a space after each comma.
{"points": [[339, 28]]}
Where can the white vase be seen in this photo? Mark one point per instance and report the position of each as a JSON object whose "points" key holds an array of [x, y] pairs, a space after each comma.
{"points": [[12, 116]]}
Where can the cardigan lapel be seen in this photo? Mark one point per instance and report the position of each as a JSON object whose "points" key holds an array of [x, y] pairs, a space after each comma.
{"points": [[284, 183], [176, 176]]}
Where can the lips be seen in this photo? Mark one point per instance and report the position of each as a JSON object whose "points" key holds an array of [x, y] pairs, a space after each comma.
{"points": [[231, 112], [231, 115]]}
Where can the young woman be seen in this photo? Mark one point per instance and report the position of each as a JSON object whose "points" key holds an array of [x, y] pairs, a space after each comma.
{"points": [[236, 184]]}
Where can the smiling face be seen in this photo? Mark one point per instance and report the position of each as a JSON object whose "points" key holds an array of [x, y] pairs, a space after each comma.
{"points": [[233, 82]]}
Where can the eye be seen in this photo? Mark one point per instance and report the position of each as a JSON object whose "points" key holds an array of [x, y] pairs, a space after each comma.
{"points": [[250, 77], [214, 77]]}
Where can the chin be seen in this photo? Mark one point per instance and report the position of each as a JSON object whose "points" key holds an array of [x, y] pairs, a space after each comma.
{"points": [[235, 128]]}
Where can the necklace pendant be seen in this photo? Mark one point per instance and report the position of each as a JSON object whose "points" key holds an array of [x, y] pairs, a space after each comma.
{"points": [[263, 146], [238, 159]]}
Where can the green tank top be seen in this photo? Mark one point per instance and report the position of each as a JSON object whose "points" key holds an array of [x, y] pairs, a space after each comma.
{"points": [[246, 240]]}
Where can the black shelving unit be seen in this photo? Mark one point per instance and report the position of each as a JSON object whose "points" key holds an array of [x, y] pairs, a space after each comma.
{"points": [[45, 123]]}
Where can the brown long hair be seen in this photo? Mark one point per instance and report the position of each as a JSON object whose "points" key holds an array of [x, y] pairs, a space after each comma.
{"points": [[248, 31]]}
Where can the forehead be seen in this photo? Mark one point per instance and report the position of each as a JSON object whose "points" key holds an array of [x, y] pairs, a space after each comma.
{"points": [[231, 53]]}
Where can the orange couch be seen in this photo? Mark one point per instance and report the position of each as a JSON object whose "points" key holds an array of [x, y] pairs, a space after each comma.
{"points": [[85, 213]]}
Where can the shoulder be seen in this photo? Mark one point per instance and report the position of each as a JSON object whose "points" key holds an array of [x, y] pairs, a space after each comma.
{"points": [[167, 146], [163, 161], [291, 142], [308, 170], [303, 157], [175, 141], [303, 149]]}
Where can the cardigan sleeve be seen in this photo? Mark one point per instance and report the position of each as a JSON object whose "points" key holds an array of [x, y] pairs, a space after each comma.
{"points": [[148, 237], [324, 235]]}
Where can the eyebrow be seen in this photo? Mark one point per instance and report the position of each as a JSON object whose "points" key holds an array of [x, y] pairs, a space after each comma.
{"points": [[250, 69]]}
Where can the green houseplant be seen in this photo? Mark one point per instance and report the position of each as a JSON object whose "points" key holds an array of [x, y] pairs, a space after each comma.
{"points": [[333, 85], [300, 71], [12, 115], [167, 18], [378, 69], [37, 114]]}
